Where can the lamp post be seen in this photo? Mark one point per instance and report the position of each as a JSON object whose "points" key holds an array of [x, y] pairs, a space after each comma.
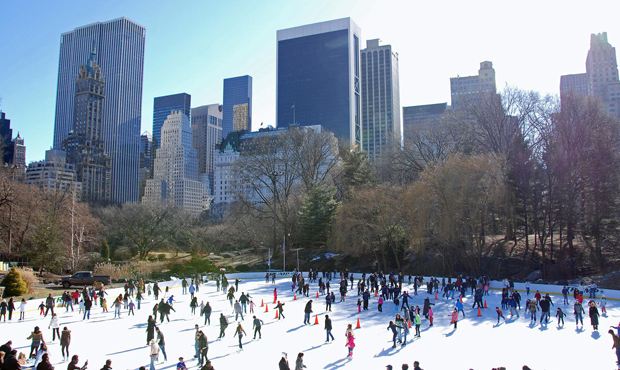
{"points": [[297, 250]]}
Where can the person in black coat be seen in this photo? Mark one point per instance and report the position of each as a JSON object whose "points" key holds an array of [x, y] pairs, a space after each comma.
{"points": [[593, 312], [328, 328], [150, 329], [283, 364], [307, 312]]}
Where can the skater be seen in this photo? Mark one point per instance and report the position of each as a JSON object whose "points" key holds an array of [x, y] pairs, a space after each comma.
{"points": [[308, 311], [55, 327], [203, 347], [131, 307], [37, 339], [181, 364], [616, 345], [328, 329], [108, 365], [350, 340], [154, 354], [579, 312], [49, 304], [238, 310], [257, 324], [73, 365], [454, 318], [206, 312], [45, 363], [299, 363], [500, 314], [380, 304], [161, 342], [533, 307], [87, 306], [65, 341], [11, 307], [150, 329], [184, 285], [240, 332], [22, 309], [328, 302], [559, 314], [431, 316], [283, 364], [417, 321], [594, 315], [223, 325], [280, 309], [459, 307], [392, 327]]}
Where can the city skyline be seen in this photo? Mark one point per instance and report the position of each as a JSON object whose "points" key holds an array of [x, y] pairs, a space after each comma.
{"points": [[430, 50]]}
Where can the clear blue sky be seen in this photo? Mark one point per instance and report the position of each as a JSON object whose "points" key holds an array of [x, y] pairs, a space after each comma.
{"points": [[192, 45]]}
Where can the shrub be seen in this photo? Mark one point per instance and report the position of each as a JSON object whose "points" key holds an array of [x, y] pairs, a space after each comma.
{"points": [[242, 268], [14, 284], [29, 277], [161, 256], [196, 265]]}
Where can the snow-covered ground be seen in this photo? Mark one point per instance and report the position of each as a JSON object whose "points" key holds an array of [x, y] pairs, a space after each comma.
{"points": [[477, 343]]}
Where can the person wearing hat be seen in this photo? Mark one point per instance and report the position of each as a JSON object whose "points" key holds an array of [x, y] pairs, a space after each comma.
{"points": [[388, 367]]}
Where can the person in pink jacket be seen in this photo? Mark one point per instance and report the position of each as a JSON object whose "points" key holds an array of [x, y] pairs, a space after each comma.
{"points": [[350, 339], [430, 316], [455, 317]]}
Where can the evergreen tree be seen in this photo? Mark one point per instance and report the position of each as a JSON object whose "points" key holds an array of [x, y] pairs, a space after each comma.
{"points": [[316, 216], [14, 284]]}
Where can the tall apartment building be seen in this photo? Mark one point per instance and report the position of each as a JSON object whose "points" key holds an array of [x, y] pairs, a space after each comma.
{"points": [[84, 144], [206, 136], [163, 106], [471, 89], [237, 107], [176, 181], [120, 54], [18, 152], [318, 78], [418, 118], [146, 160], [54, 174], [601, 78], [382, 129]]}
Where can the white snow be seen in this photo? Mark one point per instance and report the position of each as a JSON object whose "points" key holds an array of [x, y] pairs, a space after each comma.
{"points": [[476, 344]]}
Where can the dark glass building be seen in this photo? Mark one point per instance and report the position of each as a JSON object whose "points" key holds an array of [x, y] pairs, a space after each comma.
{"points": [[6, 138], [237, 114], [318, 78], [163, 106]]}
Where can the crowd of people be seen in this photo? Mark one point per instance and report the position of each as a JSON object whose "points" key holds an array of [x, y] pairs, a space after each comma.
{"points": [[398, 289]]}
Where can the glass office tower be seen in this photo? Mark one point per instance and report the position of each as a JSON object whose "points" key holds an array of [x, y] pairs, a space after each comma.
{"points": [[318, 78], [237, 99]]}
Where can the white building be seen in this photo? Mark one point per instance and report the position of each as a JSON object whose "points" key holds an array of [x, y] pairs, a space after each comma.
{"points": [[176, 181], [54, 173]]}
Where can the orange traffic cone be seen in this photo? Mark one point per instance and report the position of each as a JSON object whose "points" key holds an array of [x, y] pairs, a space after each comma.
{"points": [[479, 312], [485, 304], [294, 297], [277, 316], [266, 308], [461, 299], [409, 324], [316, 319], [357, 326], [317, 294], [376, 293], [262, 303]]}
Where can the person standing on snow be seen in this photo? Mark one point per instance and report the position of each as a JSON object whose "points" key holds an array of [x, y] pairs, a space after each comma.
{"points": [[559, 314], [328, 328], [350, 340], [223, 325], [616, 345], [299, 363], [240, 333], [65, 341], [280, 309], [238, 310], [150, 329], [579, 312], [594, 315], [328, 302], [307, 312], [454, 317], [257, 324]]}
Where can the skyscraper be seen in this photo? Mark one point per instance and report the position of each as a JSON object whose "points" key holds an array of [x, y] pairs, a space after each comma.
{"points": [[419, 118], [19, 152], [471, 89], [6, 138], [206, 136], [237, 99], [318, 78], [163, 106], [84, 145], [146, 160], [120, 54], [176, 181], [381, 125], [601, 78]]}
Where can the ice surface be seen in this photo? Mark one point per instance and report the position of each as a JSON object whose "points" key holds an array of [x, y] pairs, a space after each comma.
{"points": [[477, 343]]}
